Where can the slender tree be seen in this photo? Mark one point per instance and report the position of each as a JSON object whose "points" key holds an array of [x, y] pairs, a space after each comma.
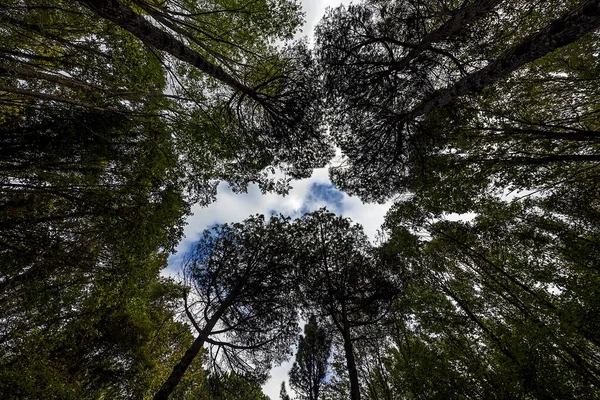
{"points": [[73, 188], [310, 368], [220, 131]]}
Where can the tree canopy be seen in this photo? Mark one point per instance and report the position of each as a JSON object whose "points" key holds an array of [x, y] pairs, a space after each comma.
{"points": [[479, 118], [239, 275], [399, 77]]}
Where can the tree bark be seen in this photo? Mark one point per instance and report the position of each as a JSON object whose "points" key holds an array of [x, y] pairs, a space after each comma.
{"points": [[126, 18], [579, 21]]}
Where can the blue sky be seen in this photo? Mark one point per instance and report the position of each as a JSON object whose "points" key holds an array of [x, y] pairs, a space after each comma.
{"points": [[307, 195]]}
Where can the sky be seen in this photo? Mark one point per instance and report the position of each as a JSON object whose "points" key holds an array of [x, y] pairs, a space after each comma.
{"points": [[307, 195]]}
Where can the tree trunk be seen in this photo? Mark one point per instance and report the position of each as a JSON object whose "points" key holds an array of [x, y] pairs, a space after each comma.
{"points": [[126, 18], [579, 21], [175, 377], [191, 353], [449, 28], [350, 362]]}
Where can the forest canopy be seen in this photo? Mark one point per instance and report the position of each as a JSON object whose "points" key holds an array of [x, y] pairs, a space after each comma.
{"points": [[119, 116]]}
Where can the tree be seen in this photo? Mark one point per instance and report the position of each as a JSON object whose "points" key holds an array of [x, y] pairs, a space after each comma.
{"points": [[310, 368], [387, 85], [339, 279], [490, 303], [535, 131], [270, 101], [239, 306], [91, 206]]}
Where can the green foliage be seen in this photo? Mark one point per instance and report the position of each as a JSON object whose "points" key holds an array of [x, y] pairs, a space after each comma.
{"points": [[102, 153], [233, 387], [494, 307], [117, 116]]}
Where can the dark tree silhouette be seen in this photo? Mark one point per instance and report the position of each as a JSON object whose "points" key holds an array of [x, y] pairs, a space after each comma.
{"points": [[239, 304], [310, 368], [387, 66], [339, 279]]}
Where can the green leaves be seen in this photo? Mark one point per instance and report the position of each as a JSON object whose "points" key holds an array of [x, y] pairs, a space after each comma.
{"points": [[117, 116], [103, 153], [491, 299]]}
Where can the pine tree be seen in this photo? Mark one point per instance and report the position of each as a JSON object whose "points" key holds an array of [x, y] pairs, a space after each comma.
{"points": [[310, 368]]}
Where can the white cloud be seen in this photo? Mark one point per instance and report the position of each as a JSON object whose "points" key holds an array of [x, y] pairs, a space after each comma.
{"points": [[234, 207], [315, 9], [370, 216]]}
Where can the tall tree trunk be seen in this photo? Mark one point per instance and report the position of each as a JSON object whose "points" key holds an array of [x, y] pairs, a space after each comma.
{"points": [[178, 370], [350, 361], [175, 377], [463, 17], [579, 21], [126, 18]]}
